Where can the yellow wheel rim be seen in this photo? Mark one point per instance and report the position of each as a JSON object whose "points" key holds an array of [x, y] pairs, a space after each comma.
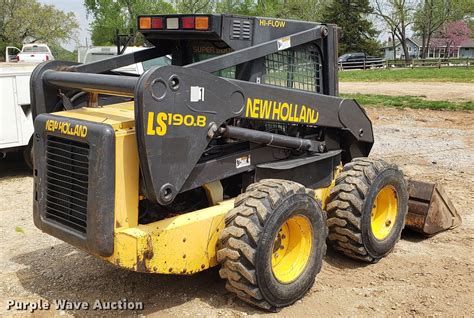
{"points": [[292, 248], [384, 212]]}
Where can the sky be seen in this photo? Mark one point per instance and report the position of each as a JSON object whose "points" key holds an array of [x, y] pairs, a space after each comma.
{"points": [[77, 7]]}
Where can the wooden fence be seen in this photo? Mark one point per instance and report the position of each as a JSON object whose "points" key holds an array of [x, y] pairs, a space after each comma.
{"points": [[451, 62], [362, 64], [415, 63]]}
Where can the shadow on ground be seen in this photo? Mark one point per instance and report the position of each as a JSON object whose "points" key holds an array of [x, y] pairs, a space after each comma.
{"points": [[62, 272], [412, 236], [337, 259], [14, 166]]}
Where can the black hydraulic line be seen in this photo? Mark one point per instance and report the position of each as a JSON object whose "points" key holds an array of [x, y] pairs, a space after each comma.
{"points": [[99, 83], [266, 138]]}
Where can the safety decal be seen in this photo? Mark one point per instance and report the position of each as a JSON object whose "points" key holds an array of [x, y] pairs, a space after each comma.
{"points": [[242, 162]]}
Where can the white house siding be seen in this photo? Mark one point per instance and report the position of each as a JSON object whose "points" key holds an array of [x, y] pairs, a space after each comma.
{"points": [[413, 51], [465, 50]]}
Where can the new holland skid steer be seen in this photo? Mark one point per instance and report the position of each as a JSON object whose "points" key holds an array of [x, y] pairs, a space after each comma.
{"points": [[240, 155]]}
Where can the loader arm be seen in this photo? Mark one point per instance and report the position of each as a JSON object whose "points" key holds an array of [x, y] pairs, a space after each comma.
{"points": [[168, 117]]}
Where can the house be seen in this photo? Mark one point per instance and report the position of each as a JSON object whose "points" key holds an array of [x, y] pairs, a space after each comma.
{"points": [[414, 45], [466, 49]]}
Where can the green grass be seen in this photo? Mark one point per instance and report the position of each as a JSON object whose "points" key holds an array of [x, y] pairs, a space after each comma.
{"points": [[19, 229], [447, 74], [407, 102]]}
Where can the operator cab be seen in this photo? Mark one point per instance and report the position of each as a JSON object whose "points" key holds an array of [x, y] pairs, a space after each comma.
{"points": [[195, 38]]}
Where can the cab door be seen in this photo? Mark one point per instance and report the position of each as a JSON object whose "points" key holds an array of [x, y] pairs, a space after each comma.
{"points": [[10, 54]]}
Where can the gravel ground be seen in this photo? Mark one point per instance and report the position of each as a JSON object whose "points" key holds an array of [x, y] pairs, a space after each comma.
{"points": [[422, 277]]}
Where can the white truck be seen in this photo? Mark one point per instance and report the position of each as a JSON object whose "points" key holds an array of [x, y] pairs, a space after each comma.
{"points": [[30, 53], [16, 122]]}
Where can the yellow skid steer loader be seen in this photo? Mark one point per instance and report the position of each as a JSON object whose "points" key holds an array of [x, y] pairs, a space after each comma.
{"points": [[240, 155]]}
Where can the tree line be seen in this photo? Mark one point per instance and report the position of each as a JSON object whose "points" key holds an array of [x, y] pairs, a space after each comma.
{"points": [[353, 16], [361, 21], [450, 21], [30, 21]]}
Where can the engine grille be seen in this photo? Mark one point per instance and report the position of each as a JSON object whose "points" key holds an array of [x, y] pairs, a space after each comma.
{"points": [[241, 29], [67, 177]]}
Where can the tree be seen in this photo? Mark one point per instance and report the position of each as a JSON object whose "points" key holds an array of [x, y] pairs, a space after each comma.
{"points": [[398, 16], [358, 33], [29, 21], [244, 7], [430, 15], [195, 6], [451, 35], [306, 10], [62, 54], [110, 16]]}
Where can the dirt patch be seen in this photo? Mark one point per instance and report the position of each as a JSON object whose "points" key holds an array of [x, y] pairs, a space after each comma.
{"points": [[453, 92], [422, 277]]}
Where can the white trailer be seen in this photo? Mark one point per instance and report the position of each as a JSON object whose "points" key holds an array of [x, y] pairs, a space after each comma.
{"points": [[16, 122], [99, 53]]}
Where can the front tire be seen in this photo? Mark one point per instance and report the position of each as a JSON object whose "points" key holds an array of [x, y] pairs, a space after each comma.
{"points": [[367, 209], [273, 244]]}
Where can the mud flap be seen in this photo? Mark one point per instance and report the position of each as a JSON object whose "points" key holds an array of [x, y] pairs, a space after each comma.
{"points": [[430, 211]]}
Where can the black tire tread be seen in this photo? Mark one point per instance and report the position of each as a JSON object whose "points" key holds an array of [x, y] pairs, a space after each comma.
{"points": [[243, 227], [346, 201], [28, 154]]}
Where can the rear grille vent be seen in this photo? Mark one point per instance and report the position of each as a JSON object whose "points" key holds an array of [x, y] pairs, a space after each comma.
{"points": [[241, 29], [67, 177]]}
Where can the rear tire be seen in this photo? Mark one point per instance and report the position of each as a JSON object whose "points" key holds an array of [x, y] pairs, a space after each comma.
{"points": [[273, 244], [367, 209], [28, 154]]}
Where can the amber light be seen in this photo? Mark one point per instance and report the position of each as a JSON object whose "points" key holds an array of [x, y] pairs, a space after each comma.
{"points": [[202, 23], [144, 23]]}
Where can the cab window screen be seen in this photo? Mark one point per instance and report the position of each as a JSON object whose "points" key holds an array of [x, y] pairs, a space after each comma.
{"points": [[203, 51], [298, 68]]}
